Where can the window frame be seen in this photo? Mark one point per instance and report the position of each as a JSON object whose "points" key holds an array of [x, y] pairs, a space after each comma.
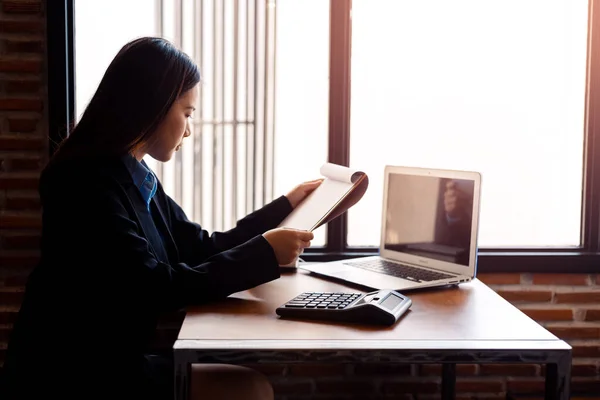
{"points": [[585, 258], [582, 259], [60, 30]]}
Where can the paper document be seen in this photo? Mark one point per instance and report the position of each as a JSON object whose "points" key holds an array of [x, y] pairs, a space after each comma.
{"points": [[341, 188]]}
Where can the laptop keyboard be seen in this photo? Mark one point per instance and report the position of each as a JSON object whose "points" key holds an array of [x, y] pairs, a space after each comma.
{"points": [[399, 270]]}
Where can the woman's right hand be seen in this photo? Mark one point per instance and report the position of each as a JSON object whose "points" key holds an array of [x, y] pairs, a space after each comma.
{"points": [[288, 243]]}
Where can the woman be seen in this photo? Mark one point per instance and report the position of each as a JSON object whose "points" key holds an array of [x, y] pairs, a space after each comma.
{"points": [[117, 251]]}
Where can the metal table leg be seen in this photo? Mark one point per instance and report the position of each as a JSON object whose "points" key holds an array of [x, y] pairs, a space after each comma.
{"points": [[448, 381], [558, 377], [182, 376]]}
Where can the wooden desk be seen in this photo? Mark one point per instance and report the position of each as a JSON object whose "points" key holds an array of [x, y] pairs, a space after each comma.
{"points": [[466, 324]]}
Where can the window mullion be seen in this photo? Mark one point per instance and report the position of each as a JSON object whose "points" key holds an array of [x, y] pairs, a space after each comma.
{"points": [[339, 106], [591, 196]]}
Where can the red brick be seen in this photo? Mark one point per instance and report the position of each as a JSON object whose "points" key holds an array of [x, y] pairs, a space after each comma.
{"points": [[23, 46], [22, 242], [401, 387], [584, 398], [584, 370], [8, 315], [18, 182], [16, 280], [436, 369], [526, 397], [499, 279], [561, 279], [267, 369], [586, 351], [526, 295], [346, 397], [21, 104], [346, 386], [525, 386], [585, 386], [22, 86], [11, 296], [486, 396], [579, 332], [592, 315], [472, 386], [429, 396], [21, 66], [21, 143], [21, 220], [316, 370], [578, 297], [21, 26], [362, 397], [25, 164], [382, 369], [22, 203], [18, 260], [297, 388], [22, 125], [509, 369], [21, 7], [549, 314], [5, 332]]}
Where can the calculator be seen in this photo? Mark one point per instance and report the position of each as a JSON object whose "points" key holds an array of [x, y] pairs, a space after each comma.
{"points": [[381, 307]]}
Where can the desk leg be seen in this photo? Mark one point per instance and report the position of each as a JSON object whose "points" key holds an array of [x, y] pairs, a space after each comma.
{"points": [[182, 378], [448, 381], [558, 377]]}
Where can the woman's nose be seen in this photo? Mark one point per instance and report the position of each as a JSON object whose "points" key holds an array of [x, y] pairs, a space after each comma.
{"points": [[187, 132]]}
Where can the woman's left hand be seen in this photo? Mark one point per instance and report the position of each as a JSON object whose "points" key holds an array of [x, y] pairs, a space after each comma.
{"points": [[297, 194]]}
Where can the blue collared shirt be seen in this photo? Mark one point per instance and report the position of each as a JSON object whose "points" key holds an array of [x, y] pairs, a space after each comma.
{"points": [[143, 178]]}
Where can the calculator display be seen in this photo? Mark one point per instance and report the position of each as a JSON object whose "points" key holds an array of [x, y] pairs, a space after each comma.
{"points": [[391, 302]]}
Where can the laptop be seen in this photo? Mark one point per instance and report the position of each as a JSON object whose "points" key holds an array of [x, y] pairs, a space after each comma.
{"points": [[429, 228]]}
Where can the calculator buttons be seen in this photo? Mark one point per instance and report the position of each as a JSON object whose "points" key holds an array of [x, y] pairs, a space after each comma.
{"points": [[331, 301]]}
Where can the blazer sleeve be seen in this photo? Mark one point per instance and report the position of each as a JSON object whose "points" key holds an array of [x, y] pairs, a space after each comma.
{"points": [[196, 244], [128, 262]]}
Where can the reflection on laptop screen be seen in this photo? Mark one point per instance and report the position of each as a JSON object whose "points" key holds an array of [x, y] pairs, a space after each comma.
{"points": [[429, 217]]}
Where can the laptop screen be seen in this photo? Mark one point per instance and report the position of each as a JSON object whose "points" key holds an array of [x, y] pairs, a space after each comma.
{"points": [[429, 217]]}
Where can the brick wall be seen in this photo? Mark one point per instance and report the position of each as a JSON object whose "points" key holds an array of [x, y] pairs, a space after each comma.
{"points": [[23, 148], [568, 305]]}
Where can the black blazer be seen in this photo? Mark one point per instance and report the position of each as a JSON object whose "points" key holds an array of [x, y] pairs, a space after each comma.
{"points": [[91, 305]]}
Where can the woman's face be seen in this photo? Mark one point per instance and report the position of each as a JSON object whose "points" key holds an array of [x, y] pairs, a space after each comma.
{"points": [[171, 131]]}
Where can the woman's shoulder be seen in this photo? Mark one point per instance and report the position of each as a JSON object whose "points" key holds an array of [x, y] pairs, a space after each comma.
{"points": [[82, 174]]}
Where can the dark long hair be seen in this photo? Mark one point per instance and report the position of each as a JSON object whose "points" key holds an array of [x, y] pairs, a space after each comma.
{"points": [[139, 87]]}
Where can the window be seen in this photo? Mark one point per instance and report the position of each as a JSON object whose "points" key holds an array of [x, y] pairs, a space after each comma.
{"points": [[301, 94], [225, 169], [244, 151], [95, 45], [493, 86], [502, 87]]}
